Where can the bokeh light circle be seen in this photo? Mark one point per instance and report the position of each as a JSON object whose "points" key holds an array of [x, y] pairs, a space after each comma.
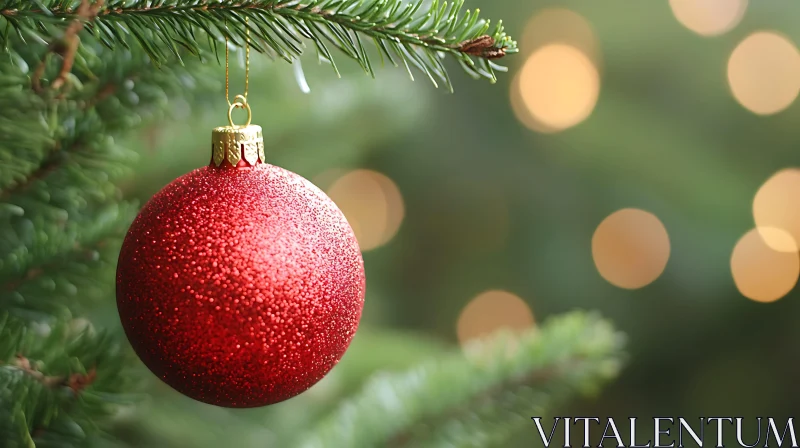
{"points": [[761, 273], [522, 113], [777, 205], [631, 248], [492, 311], [560, 25], [764, 73], [558, 86], [709, 17], [372, 204]]}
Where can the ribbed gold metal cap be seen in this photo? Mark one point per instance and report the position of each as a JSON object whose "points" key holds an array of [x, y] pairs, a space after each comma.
{"points": [[236, 144]]}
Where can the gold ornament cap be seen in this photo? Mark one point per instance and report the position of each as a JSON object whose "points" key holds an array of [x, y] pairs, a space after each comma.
{"points": [[237, 145]]}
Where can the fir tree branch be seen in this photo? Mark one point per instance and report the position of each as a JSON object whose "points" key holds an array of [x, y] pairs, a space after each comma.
{"points": [[479, 399], [56, 382], [67, 188], [72, 267], [407, 33], [25, 138], [34, 129], [62, 217], [61, 201]]}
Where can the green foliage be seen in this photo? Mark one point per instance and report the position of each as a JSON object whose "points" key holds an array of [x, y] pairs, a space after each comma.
{"points": [[62, 217], [59, 203], [478, 399], [20, 126], [414, 34], [67, 380]]}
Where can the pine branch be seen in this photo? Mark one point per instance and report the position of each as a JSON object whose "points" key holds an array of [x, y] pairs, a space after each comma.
{"points": [[55, 382], [479, 399], [406, 33], [63, 202], [62, 218], [70, 266], [25, 139], [40, 133], [48, 213]]}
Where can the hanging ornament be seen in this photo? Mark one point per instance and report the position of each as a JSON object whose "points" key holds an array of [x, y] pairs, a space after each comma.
{"points": [[240, 284]]}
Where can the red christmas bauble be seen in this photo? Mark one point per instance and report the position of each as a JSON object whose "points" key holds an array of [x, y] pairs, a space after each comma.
{"points": [[240, 284]]}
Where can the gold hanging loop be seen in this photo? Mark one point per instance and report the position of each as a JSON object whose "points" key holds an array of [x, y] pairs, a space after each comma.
{"points": [[245, 106]]}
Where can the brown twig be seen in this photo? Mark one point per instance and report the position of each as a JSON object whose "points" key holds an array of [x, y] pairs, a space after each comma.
{"points": [[25, 365], [77, 381], [67, 46], [80, 381], [106, 91]]}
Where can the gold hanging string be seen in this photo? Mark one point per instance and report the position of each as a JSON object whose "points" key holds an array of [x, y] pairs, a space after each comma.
{"points": [[237, 145], [240, 101]]}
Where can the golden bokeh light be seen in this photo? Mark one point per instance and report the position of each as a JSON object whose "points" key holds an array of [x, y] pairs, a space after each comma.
{"points": [[709, 17], [777, 205], [764, 73], [559, 25], [522, 113], [761, 273], [372, 204], [558, 87], [492, 311], [630, 248]]}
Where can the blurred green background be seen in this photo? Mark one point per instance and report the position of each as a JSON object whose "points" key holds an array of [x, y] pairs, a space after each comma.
{"points": [[487, 203]]}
